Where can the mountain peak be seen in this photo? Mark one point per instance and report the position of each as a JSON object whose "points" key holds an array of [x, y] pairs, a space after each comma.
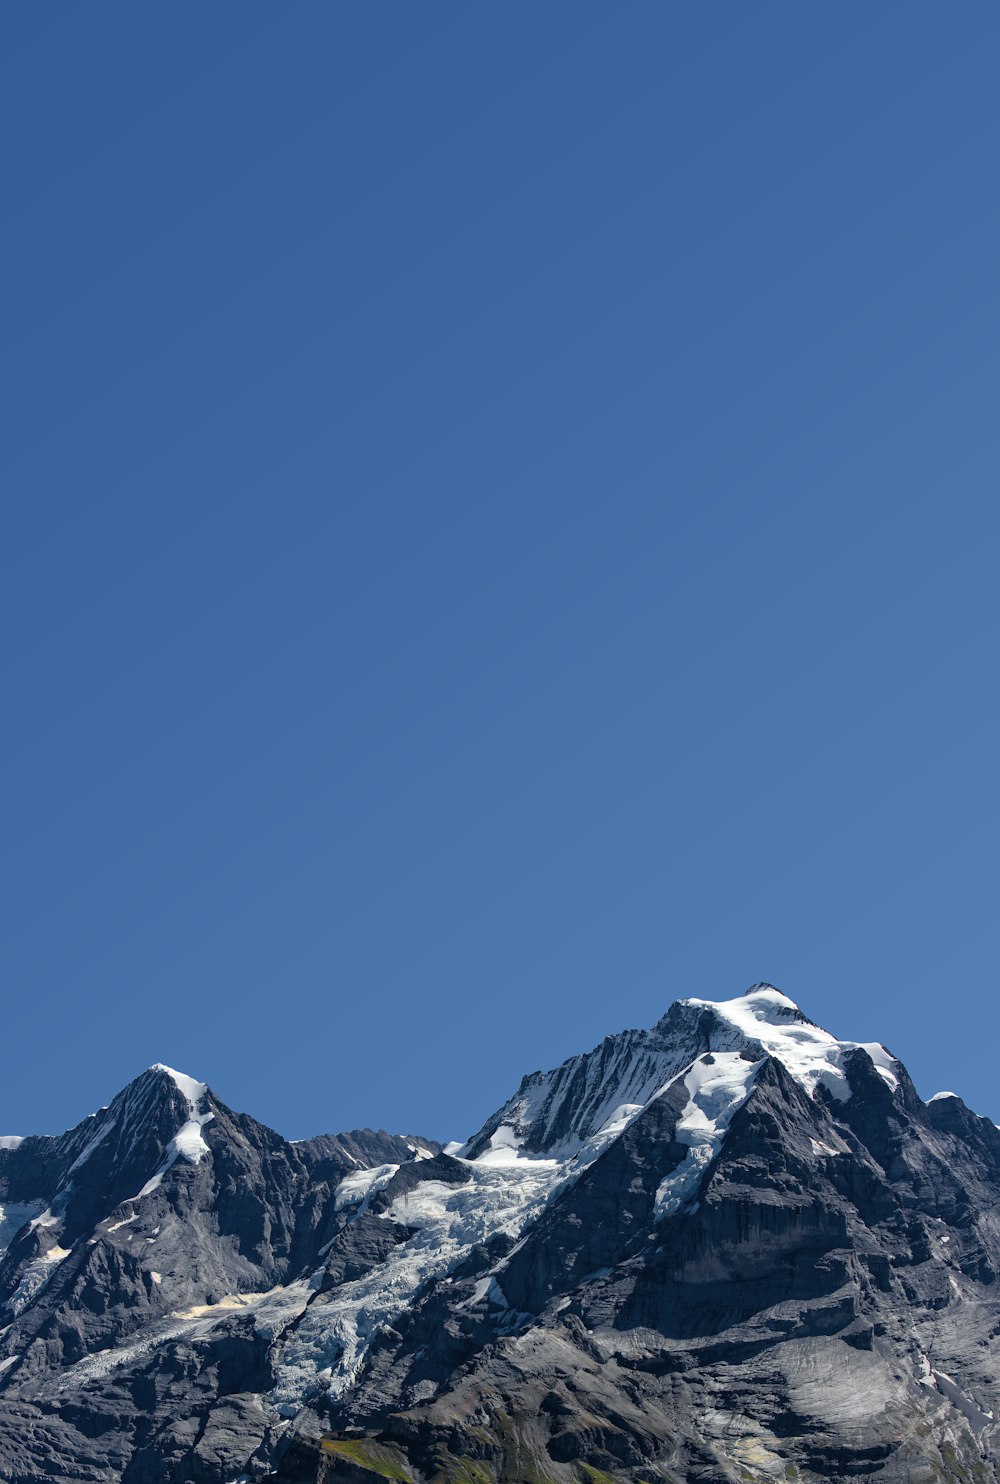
{"points": [[190, 1087], [765, 1017], [556, 1112], [187, 1142], [764, 987]]}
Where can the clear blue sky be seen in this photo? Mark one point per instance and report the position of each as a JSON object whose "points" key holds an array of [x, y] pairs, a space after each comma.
{"points": [[500, 532]]}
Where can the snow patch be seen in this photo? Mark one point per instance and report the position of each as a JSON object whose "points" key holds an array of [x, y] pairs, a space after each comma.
{"points": [[504, 1140], [360, 1185], [47, 1218], [11, 1141], [818, 1147], [717, 1085]]}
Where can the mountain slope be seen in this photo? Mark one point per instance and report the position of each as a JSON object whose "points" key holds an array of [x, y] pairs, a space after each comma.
{"points": [[730, 1247]]}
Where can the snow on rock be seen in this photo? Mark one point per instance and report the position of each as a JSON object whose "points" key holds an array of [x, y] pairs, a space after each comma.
{"points": [[555, 1113], [189, 1142], [620, 1118], [812, 1056], [272, 1313], [939, 1095], [357, 1187], [717, 1086], [192, 1091], [11, 1141], [50, 1216], [13, 1217]]}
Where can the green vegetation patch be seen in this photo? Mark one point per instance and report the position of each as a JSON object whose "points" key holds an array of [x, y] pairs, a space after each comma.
{"points": [[454, 1470], [963, 1469], [377, 1458], [590, 1475]]}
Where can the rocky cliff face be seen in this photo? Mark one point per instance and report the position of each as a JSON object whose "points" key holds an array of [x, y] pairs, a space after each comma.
{"points": [[728, 1248]]}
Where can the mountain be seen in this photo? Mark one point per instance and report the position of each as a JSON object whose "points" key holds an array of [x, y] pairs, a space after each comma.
{"points": [[731, 1247]]}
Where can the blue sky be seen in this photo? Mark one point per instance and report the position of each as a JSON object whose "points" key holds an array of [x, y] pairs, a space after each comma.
{"points": [[500, 532]]}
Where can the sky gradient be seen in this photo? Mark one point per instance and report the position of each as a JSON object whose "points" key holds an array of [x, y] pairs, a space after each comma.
{"points": [[500, 532]]}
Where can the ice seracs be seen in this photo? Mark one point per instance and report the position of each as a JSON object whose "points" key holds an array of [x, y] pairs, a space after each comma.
{"points": [[503, 1194]]}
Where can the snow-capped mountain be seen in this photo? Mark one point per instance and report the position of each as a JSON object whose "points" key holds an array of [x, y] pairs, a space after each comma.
{"points": [[728, 1247], [552, 1112]]}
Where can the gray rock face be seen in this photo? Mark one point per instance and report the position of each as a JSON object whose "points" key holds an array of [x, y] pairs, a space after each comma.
{"points": [[729, 1248]]}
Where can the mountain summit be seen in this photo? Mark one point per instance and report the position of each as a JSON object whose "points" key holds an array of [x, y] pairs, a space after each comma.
{"points": [[552, 1112], [730, 1247]]}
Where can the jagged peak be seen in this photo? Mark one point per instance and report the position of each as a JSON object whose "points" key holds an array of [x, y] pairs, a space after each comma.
{"points": [[161, 1112], [157, 1085]]}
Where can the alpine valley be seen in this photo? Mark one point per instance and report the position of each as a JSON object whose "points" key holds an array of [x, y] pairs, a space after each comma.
{"points": [[731, 1247]]}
